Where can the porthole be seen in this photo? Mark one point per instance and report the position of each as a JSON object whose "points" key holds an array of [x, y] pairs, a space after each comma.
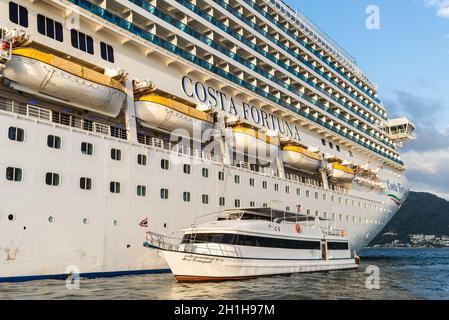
{"points": [[11, 217], [115, 222], [85, 221], [51, 219]]}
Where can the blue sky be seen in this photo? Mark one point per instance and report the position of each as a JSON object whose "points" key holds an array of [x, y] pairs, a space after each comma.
{"points": [[408, 59]]}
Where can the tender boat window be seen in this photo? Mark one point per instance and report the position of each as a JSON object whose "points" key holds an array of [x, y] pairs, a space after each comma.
{"points": [[16, 134], [141, 191], [50, 28], [114, 187], [87, 148], [52, 179], [82, 41], [85, 183], [54, 142], [107, 52], [18, 14], [252, 241], [116, 154], [14, 174], [337, 246]]}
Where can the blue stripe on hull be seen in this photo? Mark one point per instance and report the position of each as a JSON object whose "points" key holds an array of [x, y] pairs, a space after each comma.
{"points": [[83, 275]]}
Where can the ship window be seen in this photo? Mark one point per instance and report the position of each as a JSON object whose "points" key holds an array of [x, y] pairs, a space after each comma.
{"points": [[338, 148], [287, 209], [287, 189], [307, 193], [333, 198], [264, 184], [18, 14], [82, 41], [14, 174], [325, 215], [251, 182], [298, 191], [186, 196], [323, 142], [316, 195], [221, 175], [164, 193], [252, 204], [265, 205], [107, 52], [141, 191], [276, 187], [205, 198], [333, 216], [187, 168], [237, 179], [116, 154], [16, 134], [49, 28], [237, 203], [350, 154], [142, 159], [331, 145], [87, 148], [165, 164], [205, 172], [54, 141], [308, 212], [52, 179], [221, 201], [85, 183], [114, 187], [324, 197]]}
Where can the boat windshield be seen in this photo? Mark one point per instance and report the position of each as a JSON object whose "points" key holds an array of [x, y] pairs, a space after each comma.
{"points": [[264, 214]]}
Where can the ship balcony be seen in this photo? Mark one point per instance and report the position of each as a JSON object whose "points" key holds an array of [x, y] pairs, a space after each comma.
{"points": [[400, 130]]}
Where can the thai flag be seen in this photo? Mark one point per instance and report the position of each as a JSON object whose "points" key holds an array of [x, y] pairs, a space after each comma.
{"points": [[144, 223]]}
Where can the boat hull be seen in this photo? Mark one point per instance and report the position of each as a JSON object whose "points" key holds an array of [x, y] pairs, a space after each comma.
{"points": [[157, 115], [300, 161], [342, 176], [188, 267], [37, 77]]}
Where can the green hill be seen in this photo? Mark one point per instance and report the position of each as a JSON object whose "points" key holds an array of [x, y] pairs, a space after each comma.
{"points": [[422, 213]]}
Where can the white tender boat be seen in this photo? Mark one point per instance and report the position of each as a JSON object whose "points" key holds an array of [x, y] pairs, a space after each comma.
{"points": [[341, 172], [300, 158], [161, 112], [249, 243], [55, 78]]}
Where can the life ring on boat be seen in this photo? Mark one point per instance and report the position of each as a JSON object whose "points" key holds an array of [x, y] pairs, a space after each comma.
{"points": [[297, 228]]}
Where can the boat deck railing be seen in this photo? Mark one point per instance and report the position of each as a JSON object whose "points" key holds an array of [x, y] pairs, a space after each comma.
{"points": [[161, 242]]}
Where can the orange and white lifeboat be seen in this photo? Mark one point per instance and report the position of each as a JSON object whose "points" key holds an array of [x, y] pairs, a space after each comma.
{"points": [[161, 112], [254, 143], [341, 172], [300, 158], [55, 78]]}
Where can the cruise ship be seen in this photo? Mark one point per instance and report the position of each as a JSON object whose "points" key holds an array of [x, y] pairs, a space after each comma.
{"points": [[121, 115]]}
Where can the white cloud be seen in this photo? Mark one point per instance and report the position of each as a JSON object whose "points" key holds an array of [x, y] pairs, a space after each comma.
{"points": [[430, 162], [442, 7]]}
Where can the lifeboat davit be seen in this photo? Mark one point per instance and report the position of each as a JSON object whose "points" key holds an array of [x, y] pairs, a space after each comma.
{"points": [[341, 172], [40, 73], [254, 143], [300, 158], [170, 115]]}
